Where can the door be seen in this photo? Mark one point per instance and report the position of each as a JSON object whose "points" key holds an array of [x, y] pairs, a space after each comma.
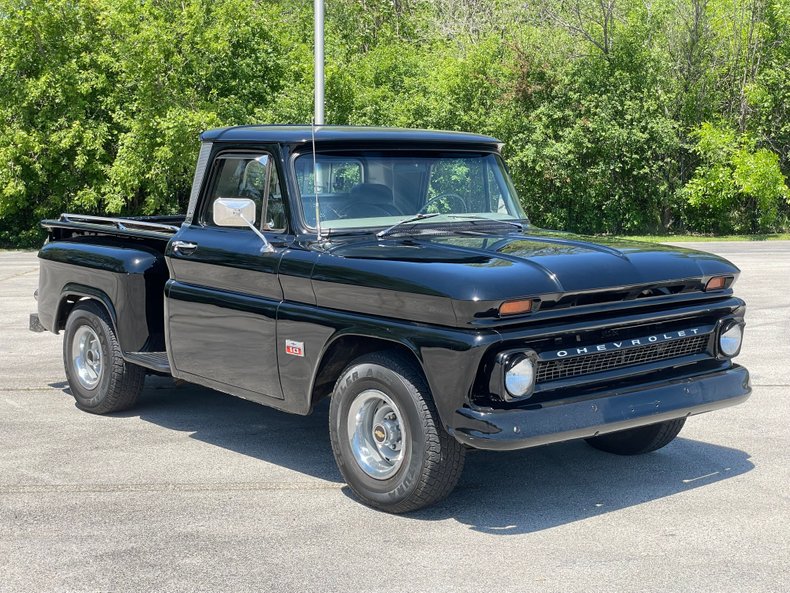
{"points": [[222, 299]]}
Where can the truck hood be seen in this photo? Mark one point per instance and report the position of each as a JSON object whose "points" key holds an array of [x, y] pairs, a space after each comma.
{"points": [[454, 279]]}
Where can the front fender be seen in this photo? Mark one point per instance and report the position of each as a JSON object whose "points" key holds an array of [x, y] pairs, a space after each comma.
{"points": [[449, 357]]}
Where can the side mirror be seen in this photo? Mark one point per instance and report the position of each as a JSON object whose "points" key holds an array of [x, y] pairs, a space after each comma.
{"points": [[238, 212], [233, 212]]}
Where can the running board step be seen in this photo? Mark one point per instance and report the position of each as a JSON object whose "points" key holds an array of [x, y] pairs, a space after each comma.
{"points": [[156, 361]]}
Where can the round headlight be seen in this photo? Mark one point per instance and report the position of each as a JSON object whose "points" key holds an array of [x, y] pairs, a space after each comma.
{"points": [[730, 341], [520, 377]]}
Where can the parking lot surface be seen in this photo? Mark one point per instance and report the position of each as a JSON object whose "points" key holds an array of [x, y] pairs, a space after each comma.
{"points": [[194, 490]]}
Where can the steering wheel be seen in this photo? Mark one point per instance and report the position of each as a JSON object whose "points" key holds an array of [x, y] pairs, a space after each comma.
{"points": [[330, 213], [450, 196], [366, 211]]}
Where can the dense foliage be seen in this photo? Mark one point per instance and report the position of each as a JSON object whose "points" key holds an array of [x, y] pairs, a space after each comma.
{"points": [[619, 116]]}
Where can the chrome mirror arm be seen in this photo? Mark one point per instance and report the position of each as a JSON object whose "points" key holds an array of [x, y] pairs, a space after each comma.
{"points": [[267, 247]]}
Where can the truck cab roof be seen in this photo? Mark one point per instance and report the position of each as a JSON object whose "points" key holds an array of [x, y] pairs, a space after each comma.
{"points": [[353, 135]]}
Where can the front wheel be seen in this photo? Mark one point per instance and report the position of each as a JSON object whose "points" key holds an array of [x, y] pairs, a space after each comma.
{"points": [[100, 379], [386, 435], [636, 441]]}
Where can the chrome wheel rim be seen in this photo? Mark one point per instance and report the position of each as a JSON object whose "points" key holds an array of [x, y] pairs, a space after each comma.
{"points": [[375, 434], [86, 357]]}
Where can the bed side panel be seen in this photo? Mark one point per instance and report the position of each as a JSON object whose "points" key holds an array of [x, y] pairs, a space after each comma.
{"points": [[129, 279]]}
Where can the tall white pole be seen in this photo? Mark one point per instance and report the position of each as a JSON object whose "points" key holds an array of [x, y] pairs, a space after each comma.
{"points": [[318, 9]]}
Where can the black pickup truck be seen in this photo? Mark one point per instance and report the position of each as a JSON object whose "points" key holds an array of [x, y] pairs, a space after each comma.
{"points": [[395, 271]]}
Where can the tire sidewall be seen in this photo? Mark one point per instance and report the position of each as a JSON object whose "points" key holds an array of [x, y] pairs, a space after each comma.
{"points": [[404, 482], [87, 398], [640, 440]]}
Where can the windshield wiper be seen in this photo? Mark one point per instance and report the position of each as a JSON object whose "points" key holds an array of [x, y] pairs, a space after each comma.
{"points": [[416, 217], [513, 223]]}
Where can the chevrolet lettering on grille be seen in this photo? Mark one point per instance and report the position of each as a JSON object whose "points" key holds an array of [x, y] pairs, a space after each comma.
{"points": [[626, 344]]}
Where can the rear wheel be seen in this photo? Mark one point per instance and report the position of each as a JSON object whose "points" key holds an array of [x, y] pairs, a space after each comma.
{"points": [[387, 438], [101, 381], [636, 441]]}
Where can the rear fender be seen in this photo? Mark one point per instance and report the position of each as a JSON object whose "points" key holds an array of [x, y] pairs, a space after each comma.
{"points": [[127, 280]]}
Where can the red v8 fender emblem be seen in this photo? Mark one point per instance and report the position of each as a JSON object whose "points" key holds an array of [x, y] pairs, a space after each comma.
{"points": [[294, 348]]}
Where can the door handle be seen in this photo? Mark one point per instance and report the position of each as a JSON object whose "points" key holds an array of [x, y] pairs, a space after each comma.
{"points": [[184, 247]]}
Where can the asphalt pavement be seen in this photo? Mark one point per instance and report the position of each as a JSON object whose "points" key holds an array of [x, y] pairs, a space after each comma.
{"points": [[194, 490]]}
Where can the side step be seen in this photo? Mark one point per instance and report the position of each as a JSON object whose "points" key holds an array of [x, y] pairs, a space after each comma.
{"points": [[156, 361]]}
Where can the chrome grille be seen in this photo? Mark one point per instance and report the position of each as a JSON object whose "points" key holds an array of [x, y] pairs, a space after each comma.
{"points": [[587, 364]]}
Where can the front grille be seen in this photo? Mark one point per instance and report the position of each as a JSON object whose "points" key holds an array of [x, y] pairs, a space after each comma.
{"points": [[552, 370]]}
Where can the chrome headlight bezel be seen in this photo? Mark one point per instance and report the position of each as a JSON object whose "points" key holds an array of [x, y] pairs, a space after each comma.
{"points": [[729, 331], [504, 386]]}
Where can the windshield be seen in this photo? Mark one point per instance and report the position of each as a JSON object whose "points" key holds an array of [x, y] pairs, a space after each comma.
{"points": [[363, 189]]}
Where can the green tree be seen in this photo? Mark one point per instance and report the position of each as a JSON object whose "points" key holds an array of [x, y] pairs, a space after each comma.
{"points": [[102, 101], [737, 187], [769, 95], [618, 116], [56, 134]]}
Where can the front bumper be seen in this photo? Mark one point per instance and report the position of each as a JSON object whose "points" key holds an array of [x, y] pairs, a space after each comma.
{"points": [[611, 411]]}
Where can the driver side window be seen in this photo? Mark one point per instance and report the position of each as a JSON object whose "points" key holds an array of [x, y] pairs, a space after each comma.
{"points": [[251, 176]]}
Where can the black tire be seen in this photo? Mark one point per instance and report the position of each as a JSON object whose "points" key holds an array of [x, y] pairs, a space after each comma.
{"points": [[432, 460], [636, 441], [119, 382]]}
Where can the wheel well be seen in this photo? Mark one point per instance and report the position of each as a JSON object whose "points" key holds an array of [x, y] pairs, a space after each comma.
{"points": [[69, 301], [342, 352]]}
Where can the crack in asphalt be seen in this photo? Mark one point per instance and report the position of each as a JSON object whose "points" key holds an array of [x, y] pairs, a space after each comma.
{"points": [[165, 487], [45, 389], [12, 276]]}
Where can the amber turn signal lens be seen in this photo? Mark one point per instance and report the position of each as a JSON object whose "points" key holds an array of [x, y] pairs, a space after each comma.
{"points": [[716, 283], [516, 307]]}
